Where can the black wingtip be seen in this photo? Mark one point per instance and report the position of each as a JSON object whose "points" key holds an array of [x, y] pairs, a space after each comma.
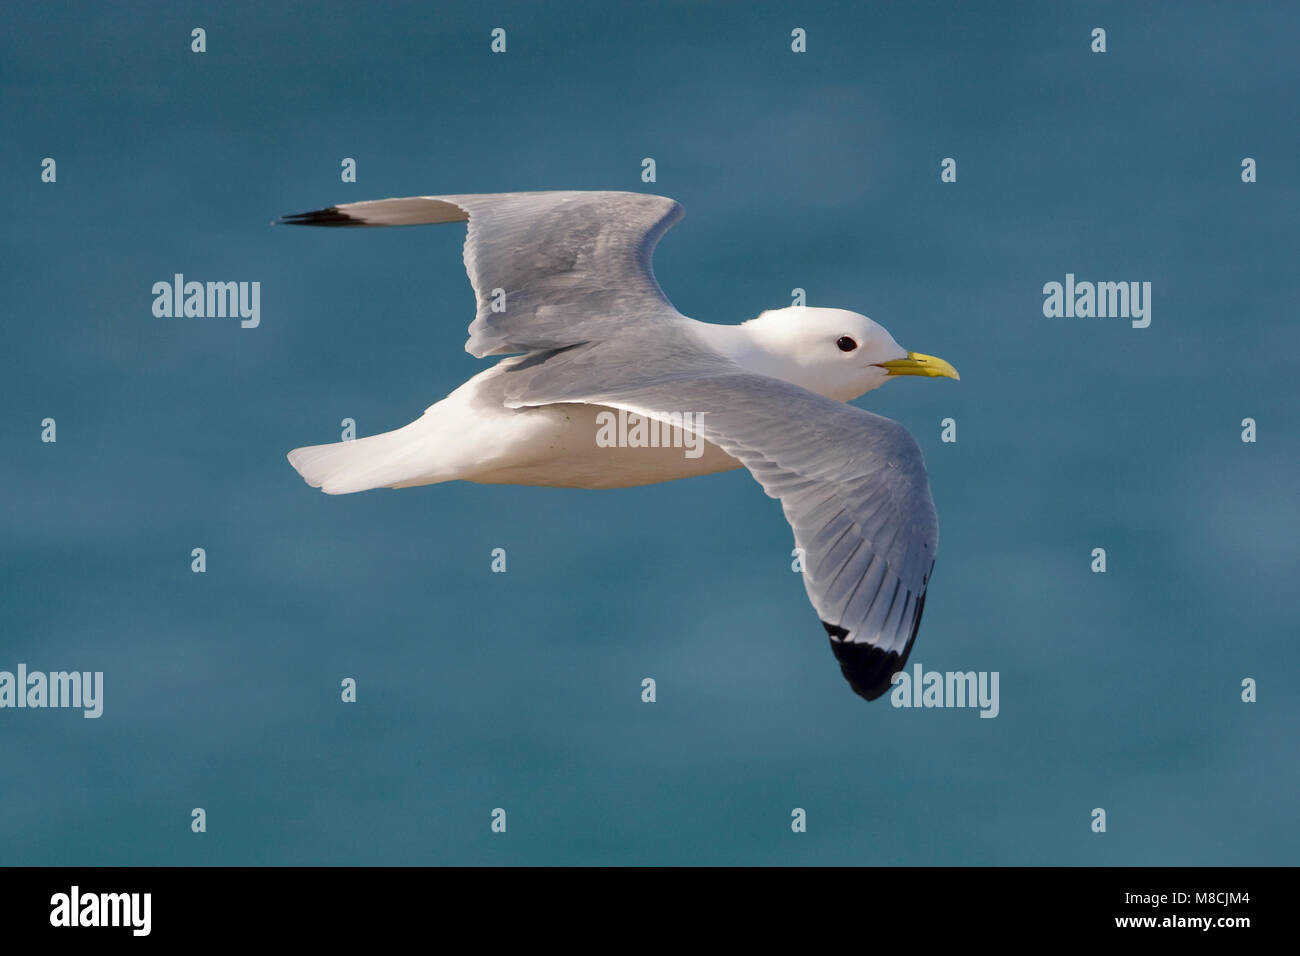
{"points": [[868, 669], [332, 216]]}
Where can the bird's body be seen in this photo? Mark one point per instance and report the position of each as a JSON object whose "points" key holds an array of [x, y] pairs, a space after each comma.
{"points": [[471, 435], [608, 386]]}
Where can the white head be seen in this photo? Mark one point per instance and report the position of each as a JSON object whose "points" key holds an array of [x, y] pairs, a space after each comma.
{"points": [[833, 352]]}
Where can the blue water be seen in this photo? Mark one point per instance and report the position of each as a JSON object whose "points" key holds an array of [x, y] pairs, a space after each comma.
{"points": [[522, 690]]}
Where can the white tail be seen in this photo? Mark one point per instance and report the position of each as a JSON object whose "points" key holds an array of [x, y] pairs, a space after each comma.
{"points": [[380, 461]]}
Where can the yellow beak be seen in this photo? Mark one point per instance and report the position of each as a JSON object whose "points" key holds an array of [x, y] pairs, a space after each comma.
{"points": [[918, 364]]}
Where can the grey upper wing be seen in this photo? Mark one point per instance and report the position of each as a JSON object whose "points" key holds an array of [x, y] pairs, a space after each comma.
{"points": [[571, 267], [853, 486]]}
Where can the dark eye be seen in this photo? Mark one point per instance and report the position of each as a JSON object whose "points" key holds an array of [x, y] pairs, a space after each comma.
{"points": [[846, 344]]}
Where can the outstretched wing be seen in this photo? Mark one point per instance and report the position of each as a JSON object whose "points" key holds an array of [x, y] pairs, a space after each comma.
{"points": [[853, 486], [570, 267]]}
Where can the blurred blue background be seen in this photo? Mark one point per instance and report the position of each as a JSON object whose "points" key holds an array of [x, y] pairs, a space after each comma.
{"points": [[522, 690]]}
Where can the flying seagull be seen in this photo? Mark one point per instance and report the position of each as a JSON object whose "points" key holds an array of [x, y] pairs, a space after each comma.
{"points": [[565, 287]]}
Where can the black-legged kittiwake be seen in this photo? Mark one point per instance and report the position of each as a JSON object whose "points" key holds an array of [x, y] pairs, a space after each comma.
{"points": [[564, 286]]}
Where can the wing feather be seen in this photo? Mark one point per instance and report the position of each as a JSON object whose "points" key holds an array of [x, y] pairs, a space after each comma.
{"points": [[852, 485], [549, 269]]}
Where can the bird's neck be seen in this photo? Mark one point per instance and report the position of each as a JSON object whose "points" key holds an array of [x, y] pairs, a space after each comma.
{"points": [[748, 348], [758, 349]]}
